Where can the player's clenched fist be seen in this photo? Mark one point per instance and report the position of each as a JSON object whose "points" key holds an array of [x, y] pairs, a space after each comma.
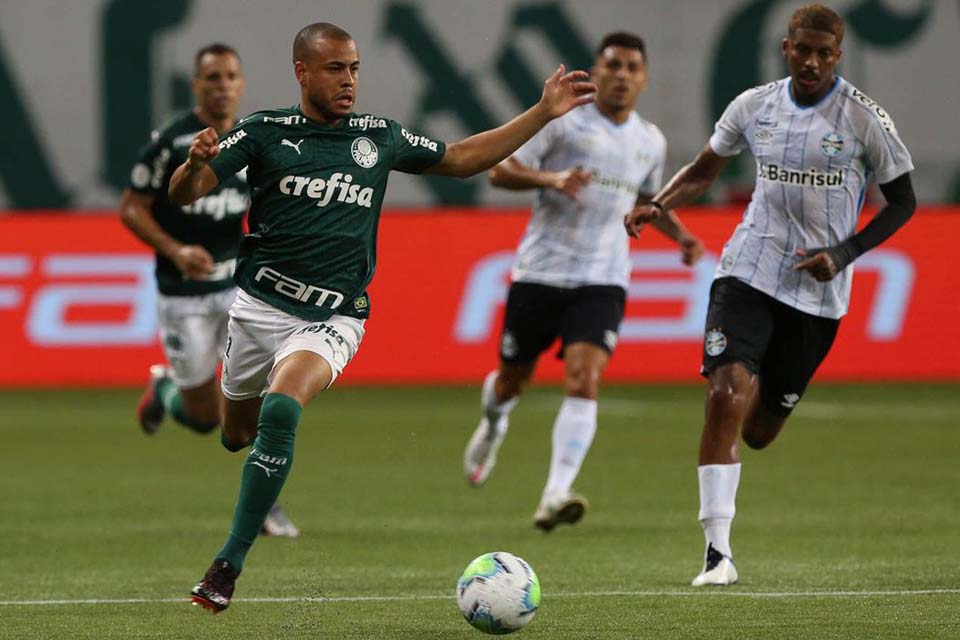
{"points": [[570, 182], [194, 262], [205, 147]]}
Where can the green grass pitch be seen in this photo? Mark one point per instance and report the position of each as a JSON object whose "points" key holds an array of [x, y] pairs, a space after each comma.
{"points": [[847, 527]]}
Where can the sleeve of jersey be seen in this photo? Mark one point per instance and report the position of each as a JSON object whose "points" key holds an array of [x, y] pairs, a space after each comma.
{"points": [[238, 148], [147, 175], [887, 156], [415, 152], [536, 148], [727, 139]]}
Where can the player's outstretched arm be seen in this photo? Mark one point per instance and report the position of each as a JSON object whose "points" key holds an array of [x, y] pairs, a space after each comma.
{"points": [[516, 176], [691, 182], [561, 93], [193, 260], [824, 263], [194, 178]]}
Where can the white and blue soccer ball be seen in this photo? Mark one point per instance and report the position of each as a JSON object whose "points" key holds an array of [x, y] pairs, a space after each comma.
{"points": [[498, 593]]}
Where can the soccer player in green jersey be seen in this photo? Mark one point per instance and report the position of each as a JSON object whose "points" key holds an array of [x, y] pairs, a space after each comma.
{"points": [[318, 172], [196, 251]]}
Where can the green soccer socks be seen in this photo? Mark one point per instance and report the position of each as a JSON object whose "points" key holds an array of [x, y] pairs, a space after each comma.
{"points": [[264, 474]]}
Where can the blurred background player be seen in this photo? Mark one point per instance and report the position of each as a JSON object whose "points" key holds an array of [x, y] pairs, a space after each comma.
{"points": [[321, 172], [196, 250], [590, 168], [784, 278]]}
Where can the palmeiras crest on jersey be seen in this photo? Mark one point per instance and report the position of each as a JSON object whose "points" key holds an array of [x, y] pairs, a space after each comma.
{"points": [[831, 145], [364, 152], [715, 342]]}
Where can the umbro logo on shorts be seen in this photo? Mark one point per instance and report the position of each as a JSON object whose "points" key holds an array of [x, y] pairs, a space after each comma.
{"points": [[790, 400]]}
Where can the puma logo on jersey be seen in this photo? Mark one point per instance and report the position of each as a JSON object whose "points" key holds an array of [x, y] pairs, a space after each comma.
{"points": [[287, 143], [338, 186]]}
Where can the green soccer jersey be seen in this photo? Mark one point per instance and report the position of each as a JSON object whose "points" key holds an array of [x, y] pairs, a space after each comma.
{"points": [[317, 193], [214, 221]]}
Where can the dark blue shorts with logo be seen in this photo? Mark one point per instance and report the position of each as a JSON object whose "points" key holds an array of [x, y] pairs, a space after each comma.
{"points": [[537, 314], [782, 345]]}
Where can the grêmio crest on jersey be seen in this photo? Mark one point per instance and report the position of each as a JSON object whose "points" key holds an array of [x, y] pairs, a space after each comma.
{"points": [[814, 164]]}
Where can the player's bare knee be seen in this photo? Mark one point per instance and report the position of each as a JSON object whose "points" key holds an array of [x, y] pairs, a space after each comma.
{"points": [[511, 381], [581, 382], [508, 388], [726, 397], [238, 428], [203, 413], [236, 434]]}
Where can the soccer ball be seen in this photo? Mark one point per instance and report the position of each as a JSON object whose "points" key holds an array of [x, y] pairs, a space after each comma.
{"points": [[498, 593]]}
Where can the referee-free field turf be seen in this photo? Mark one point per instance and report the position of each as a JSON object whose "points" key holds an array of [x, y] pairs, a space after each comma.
{"points": [[847, 527]]}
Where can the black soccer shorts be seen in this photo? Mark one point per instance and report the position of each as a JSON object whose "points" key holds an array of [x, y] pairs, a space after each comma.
{"points": [[782, 345], [537, 314]]}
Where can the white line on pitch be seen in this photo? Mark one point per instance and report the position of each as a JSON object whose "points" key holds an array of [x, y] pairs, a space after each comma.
{"points": [[584, 594]]}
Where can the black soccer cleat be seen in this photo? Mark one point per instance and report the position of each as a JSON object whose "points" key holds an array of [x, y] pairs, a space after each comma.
{"points": [[216, 589], [150, 411]]}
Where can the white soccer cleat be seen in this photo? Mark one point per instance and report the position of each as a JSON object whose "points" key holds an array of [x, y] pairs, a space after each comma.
{"points": [[278, 524], [480, 456], [568, 509], [718, 570]]}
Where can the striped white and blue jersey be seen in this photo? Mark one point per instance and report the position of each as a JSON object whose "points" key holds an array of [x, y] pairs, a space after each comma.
{"points": [[575, 242], [813, 166]]}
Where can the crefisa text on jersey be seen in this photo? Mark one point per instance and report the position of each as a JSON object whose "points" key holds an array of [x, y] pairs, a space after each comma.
{"points": [[367, 122], [323, 190], [416, 140]]}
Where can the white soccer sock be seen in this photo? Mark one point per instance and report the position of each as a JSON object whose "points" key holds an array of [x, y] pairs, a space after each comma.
{"points": [[718, 497], [573, 432], [496, 413]]}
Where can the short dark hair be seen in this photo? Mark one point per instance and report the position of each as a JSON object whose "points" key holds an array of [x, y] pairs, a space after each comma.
{"points": [[305, 37], [816, 17], [215, 48], [623, 39]]}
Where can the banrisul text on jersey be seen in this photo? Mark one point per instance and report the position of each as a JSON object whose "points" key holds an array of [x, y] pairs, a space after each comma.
{"points": [[813, 166]]}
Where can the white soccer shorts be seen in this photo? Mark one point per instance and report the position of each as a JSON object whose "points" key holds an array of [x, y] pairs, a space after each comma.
{"points": [[193, 331], [260, 336]]}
